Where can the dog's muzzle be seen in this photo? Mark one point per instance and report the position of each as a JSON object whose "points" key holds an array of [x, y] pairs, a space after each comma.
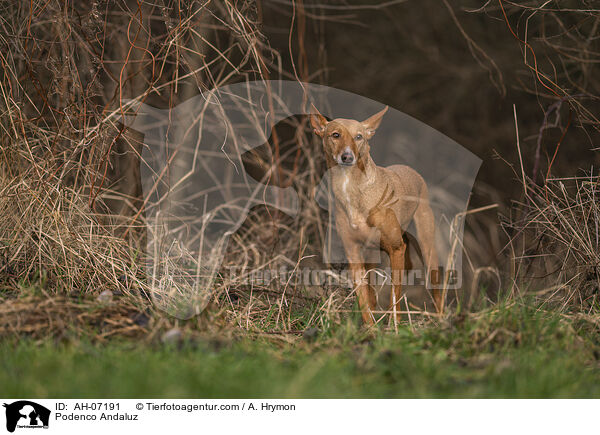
{"points": [[346, 158]]}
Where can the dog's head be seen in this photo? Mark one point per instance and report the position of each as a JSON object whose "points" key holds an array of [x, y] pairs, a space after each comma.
{"points": [[346, 141]]}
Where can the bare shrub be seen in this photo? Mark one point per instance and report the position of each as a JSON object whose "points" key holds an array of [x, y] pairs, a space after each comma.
{"points": [[558, 231]]}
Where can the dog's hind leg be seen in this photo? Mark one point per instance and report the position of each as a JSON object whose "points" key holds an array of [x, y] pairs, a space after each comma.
{"points": [[408, 264], [425, 223]]}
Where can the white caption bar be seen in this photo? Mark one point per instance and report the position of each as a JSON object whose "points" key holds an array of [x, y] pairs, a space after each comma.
{"points": [[266, 416]]}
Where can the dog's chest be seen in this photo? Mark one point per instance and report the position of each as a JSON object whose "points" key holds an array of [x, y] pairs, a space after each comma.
{"points": [[353, 198]]}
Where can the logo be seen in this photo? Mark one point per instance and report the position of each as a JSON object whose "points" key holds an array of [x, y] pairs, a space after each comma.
{"points": [[207, 162], [26, 414]]}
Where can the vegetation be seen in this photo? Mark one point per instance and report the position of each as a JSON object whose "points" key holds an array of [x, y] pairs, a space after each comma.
{"points": [[514, 82], [515, 349]]}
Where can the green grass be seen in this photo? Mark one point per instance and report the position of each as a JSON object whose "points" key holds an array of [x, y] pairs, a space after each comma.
{"points": [[515, 351]]}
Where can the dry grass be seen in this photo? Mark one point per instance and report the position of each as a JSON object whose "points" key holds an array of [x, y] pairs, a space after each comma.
{"points": [[68, 318], [558, 232], [70, 201], [48, 234]]}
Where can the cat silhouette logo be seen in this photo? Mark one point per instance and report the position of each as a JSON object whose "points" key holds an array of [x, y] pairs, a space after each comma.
{"points": [[26, 414]]}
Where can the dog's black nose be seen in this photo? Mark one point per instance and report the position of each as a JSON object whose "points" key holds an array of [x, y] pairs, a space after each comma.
{"points": [[347, 158]]}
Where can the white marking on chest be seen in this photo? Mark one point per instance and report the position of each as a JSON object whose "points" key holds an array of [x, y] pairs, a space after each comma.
{"points": [[349, 208]]}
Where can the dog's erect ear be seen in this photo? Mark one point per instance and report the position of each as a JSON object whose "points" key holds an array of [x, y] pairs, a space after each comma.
{"points": [[373, 122], [318, 121]]}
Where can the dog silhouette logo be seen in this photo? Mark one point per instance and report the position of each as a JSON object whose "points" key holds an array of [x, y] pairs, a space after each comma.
{"points": [[26, 414], [207, 162]]}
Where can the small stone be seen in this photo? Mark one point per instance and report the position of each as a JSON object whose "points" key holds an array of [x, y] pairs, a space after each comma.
{"points": [[171, 336], [310, 334], [105, 297], [141, 319]]}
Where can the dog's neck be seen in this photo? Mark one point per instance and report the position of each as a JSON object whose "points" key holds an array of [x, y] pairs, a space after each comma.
{"points": [[350, 185], [364, 172]]}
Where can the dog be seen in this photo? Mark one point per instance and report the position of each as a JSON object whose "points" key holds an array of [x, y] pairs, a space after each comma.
{"points": [[373, 205]]}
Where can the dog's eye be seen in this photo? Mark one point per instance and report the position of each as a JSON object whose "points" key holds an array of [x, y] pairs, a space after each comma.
{"points": [[336, 135], [358, 137]]}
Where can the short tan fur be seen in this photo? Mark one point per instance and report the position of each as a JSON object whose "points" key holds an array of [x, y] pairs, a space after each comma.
{"points": [[375, 204]]}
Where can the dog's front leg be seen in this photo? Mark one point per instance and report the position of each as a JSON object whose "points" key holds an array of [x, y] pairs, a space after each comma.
{"points": [[385, 221], [366, 295], [397, 259]]}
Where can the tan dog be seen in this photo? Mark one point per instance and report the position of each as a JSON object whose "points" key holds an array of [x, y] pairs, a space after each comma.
{"points": [[375, 205]]}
